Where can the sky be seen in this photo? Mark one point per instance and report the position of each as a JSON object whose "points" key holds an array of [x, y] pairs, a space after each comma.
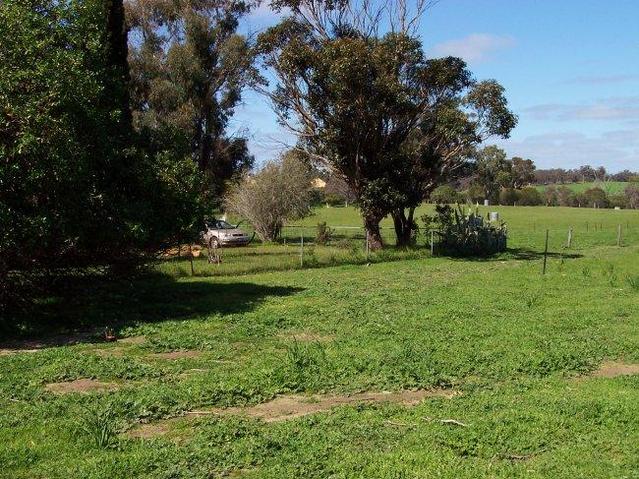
{"points": [[570, 69]]}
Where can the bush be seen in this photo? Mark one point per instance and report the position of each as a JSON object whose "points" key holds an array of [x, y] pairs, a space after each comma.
{"points": [[632, 196], [566, 197], [445, 194], [324, 234], [509, 196], [530, 197], [618, 201], [465, 234], [551, 196], [333, 199], [475, 194], [277, 193], [595, 198]]}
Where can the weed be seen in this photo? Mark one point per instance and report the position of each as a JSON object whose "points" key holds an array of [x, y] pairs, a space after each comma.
{"points": [[98, 423], [633, 282]]}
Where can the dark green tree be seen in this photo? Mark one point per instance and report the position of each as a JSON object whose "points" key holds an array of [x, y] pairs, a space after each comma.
{"points": [[75, 188], [372, 108], [522, 172], [493, 171], [189, 66]]}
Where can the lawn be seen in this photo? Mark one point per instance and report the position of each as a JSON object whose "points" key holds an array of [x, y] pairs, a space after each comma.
{"points": [[496, 370], [610, 187]]}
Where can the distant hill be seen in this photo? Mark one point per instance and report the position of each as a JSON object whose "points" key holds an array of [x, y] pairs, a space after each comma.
{"points": [[610, 187]]}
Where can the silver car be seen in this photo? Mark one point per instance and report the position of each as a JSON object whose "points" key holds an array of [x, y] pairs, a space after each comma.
{"points": [[220, 233]]}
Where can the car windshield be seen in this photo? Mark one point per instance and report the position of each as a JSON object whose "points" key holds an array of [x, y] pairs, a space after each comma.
{"points": [[221, 225]]}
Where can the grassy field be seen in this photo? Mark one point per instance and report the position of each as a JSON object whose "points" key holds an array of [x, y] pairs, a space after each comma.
{"points": [[190, 390], [610, 187]]}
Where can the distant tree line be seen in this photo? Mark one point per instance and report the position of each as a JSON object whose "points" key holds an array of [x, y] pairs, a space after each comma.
{"points": [[494, 177], [583, 174]]}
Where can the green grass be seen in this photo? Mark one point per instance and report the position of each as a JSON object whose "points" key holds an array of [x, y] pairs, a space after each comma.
{"points": [[610, 187], [508, 339]]}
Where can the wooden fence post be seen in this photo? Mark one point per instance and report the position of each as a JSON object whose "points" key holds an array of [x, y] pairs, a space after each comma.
{"points": [[619, 235], [432, 242], [302, 248], [545, 253], [368, 247], [569, 237]]}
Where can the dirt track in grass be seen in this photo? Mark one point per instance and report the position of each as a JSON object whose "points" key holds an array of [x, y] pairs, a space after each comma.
{"points": [[288, 407]]}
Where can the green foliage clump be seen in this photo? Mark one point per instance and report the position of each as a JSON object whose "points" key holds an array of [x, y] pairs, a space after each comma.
{"points": [[445, 194], [463, 234], [78, 187], [509, 196], [530, 197], [324, 233]]}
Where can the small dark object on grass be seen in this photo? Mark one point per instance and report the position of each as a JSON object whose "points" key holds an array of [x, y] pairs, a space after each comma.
{"points": [[109, 335]]}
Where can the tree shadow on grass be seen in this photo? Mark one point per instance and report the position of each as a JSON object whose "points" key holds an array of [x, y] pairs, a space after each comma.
{"points": [[518, 254], [80, 313]]}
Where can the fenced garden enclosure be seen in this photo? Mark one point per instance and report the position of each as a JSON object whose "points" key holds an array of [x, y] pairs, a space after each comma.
{"points": [[570, 230]]}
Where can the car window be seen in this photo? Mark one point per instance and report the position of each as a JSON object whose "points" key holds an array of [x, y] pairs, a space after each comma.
{"points": [[220, 225]]}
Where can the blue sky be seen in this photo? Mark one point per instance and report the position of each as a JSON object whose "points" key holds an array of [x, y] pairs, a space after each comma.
{"points": [[570, 69]]}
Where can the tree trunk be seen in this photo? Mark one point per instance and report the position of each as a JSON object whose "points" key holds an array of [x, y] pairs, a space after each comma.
{"points": [[371, 224], [117, 54], [404, 226]]}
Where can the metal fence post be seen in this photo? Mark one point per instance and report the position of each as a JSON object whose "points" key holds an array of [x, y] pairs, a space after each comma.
{"points": [[302, 248]]}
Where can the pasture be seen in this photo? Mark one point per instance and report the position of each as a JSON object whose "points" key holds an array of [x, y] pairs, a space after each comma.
{"points": [[399, 365], [610, 187]]}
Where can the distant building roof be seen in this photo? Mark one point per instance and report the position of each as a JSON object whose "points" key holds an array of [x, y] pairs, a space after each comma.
{"points": [[318, 183]]}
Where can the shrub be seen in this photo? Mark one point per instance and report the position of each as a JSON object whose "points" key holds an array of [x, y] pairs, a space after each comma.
{"points": [[475, 194], [632, 196], [324, 233], [508, 196], [551, 196], [445, 194], [618, 201], [565, 196], [530, 197], [333, 199], [465, 234], [596, 198], [277, 193]]}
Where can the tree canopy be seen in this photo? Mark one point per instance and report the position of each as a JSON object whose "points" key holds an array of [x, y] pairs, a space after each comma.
{"points": [[189, 67], [373, 108]]}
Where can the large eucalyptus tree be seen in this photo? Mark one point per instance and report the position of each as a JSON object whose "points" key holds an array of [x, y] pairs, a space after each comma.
{"points": [[353, 83]]}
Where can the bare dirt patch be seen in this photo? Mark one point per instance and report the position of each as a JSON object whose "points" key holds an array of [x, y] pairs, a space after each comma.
{"points": [[151, 430], [133, 340], [612, 369], [176, 355], [283, 408], [80, 386], [290, 407]]}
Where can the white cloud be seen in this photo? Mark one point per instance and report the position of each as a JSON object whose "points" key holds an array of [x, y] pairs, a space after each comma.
{"points": [[475, 48], [602, 80], [617, 108], [616, 150]]}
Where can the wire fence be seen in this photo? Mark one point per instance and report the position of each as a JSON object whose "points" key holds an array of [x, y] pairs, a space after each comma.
{"points": [[298, 247]]}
